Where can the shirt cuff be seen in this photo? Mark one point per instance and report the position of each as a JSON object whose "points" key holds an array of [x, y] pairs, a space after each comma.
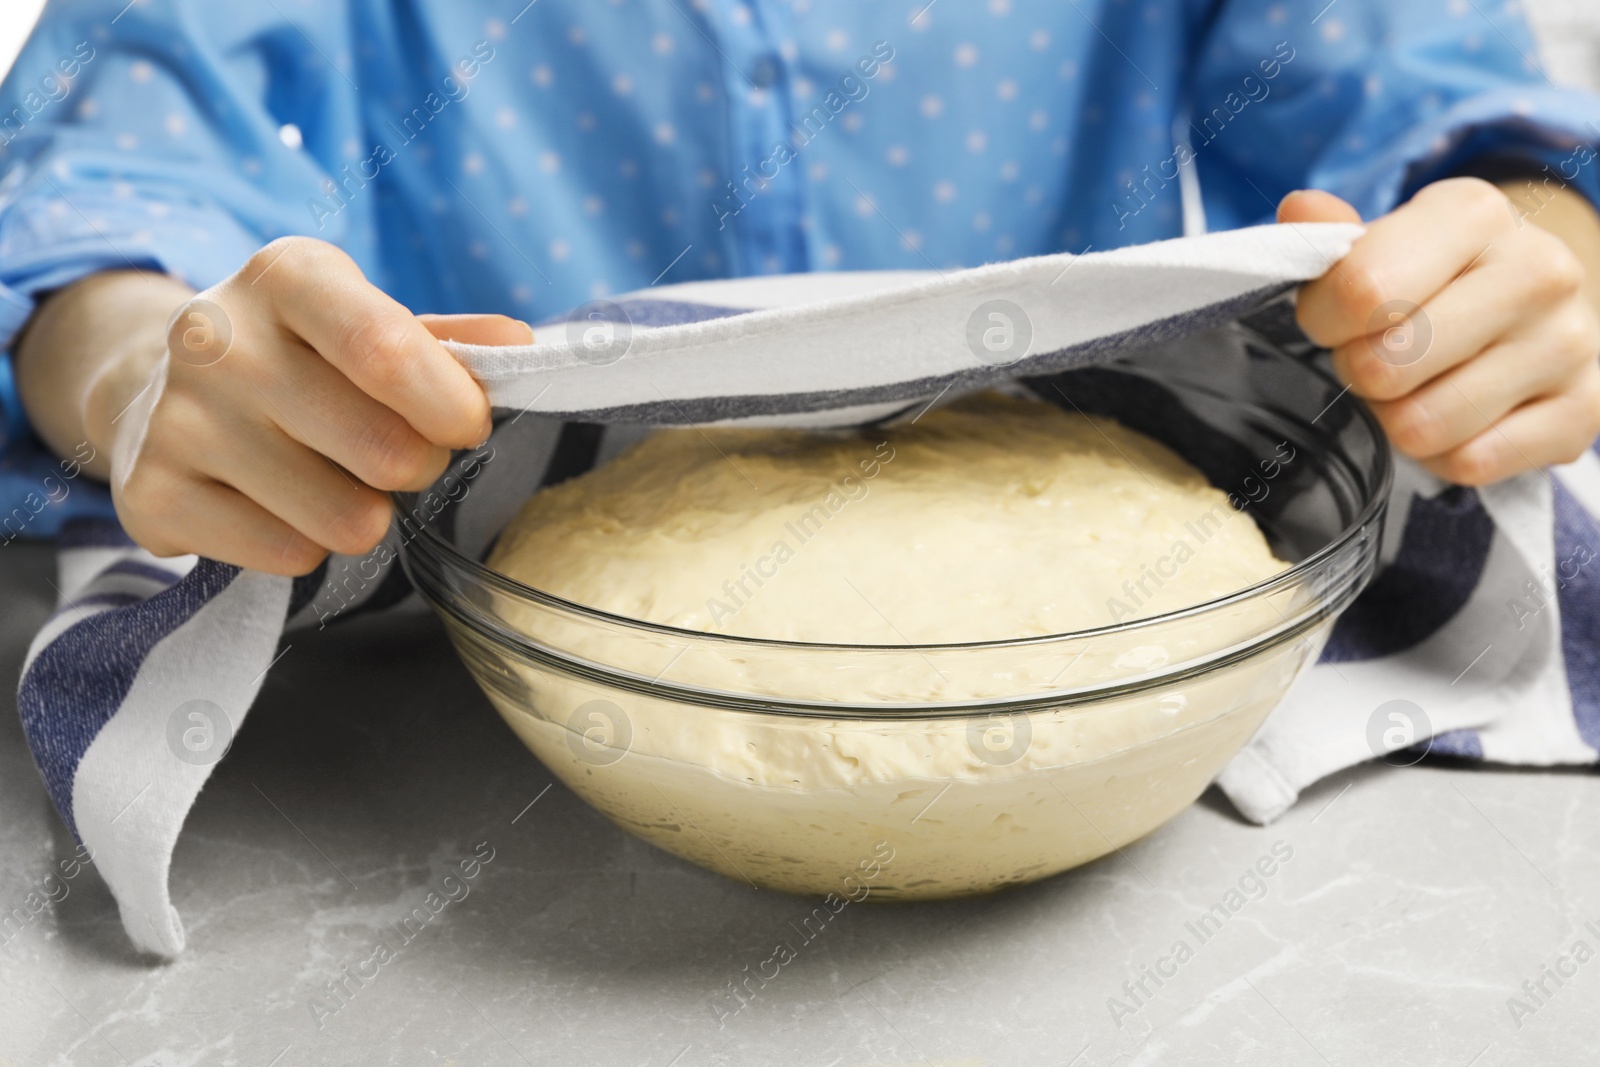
{"points": [[1547, 126], [58, 233], [13, 420], [53, 235]]}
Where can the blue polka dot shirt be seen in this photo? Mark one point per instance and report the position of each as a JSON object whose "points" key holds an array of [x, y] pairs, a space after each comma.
{"points": [[525, 157]]}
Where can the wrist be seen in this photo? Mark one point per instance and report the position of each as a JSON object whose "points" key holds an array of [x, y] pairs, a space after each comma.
{"points": [[85, 355], [112, 393], [1568, 215]]}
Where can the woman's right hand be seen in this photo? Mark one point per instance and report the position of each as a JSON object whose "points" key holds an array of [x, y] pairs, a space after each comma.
{"points": [[285, 401]]}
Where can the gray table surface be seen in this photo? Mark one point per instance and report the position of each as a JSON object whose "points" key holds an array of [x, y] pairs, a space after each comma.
{"points": [[1415, 904]]}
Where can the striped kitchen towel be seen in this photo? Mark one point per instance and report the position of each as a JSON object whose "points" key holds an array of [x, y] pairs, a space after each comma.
{"points": [[134, 688]]}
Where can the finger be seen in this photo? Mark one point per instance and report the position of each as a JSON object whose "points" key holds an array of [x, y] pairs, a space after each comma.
{"points": [[1522, 441], [322, 409], [1408, 255], [319, 294], [1460, 321], [304, 489], [1314, 205], [220, 523], [1462, 404], [489, 330]]}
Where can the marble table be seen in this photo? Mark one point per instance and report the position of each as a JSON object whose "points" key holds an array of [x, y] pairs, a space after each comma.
{"points": [[1404, 909]]}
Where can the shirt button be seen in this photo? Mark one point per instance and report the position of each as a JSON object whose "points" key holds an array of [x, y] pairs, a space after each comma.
{"points": [[764, 73]]}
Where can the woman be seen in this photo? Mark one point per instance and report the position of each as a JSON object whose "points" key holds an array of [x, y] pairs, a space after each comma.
{"points": [[323, 172]]}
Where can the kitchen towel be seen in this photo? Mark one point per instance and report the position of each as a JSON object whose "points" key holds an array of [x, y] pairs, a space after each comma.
{"points": [[135, 686]]}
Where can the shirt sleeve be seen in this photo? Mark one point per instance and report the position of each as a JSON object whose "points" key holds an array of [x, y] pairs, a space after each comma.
{"points": [[177, 137], [1371, 100]]}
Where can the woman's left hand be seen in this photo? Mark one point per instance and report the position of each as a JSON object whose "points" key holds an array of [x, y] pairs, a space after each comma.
{"points": [[1467, 329]]}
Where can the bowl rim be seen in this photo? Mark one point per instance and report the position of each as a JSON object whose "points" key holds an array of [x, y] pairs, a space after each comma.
{"points": [[1372, 508]]}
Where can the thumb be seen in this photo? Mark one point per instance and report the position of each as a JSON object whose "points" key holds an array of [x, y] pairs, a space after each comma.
{"points": [[478, 329], [1314, 205]]}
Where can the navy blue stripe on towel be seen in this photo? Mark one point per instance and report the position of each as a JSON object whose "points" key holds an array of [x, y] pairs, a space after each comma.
{"points": [[1464, 744], [79, 680], [1442, 555], [1577, 580]]}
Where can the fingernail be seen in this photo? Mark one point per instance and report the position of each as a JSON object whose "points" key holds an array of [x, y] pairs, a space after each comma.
{"points": [[530, 331]]}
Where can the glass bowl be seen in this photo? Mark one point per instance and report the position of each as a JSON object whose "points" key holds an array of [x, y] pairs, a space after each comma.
{"points": [[904, 772]]}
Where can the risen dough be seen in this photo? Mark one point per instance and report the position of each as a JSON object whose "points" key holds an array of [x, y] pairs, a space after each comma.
{"points": [[992, 518]]}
